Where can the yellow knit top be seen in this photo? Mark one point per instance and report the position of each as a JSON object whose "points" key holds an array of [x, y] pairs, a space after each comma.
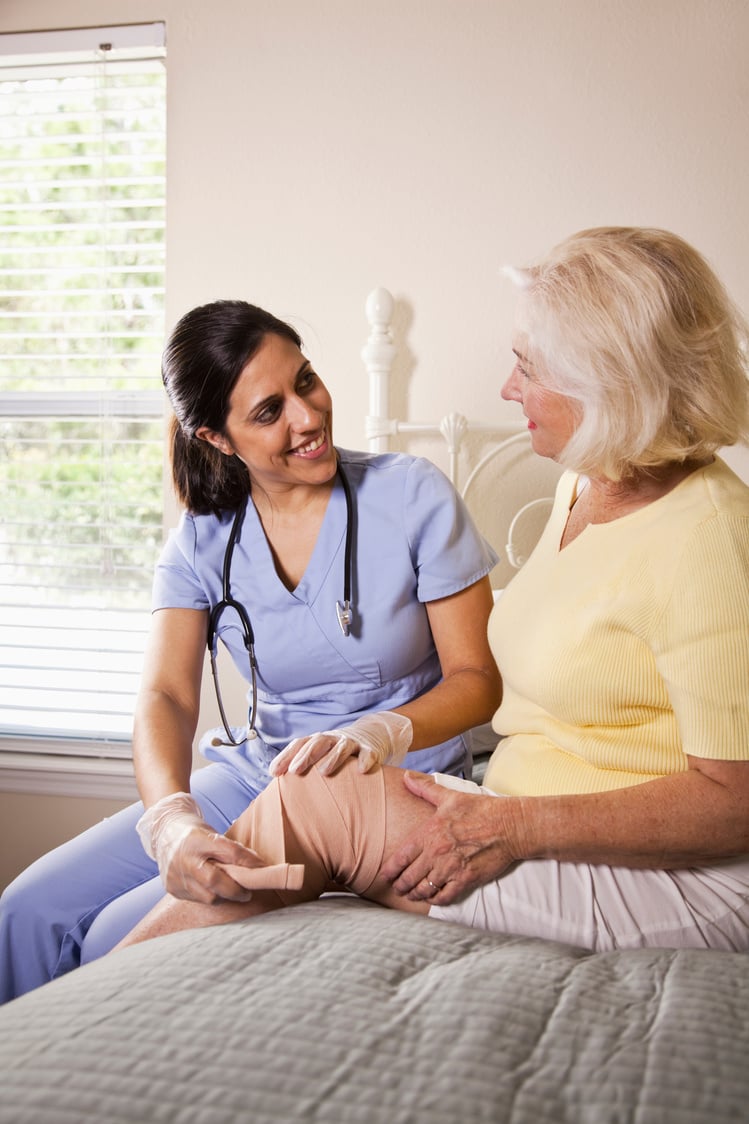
{"points": [[629, 649]]}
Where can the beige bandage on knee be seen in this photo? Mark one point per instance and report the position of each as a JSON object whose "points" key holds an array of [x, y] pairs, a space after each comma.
{"points": [[334, 826]]}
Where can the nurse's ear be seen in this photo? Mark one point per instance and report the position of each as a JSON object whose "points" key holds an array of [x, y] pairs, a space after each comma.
{"points": [[218, 440]]}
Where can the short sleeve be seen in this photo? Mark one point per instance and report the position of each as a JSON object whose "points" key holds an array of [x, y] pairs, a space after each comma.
{"points": [[176, 584], [447, 550], [704, 648]]}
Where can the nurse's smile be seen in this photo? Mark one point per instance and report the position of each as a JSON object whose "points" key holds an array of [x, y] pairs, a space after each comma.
{"points": [[312, 448]]}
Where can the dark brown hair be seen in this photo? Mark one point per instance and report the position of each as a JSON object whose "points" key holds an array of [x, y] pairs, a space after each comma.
{"points": [[205, 355]]}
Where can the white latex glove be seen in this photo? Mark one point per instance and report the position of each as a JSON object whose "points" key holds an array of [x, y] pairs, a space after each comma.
{"points": [[188, 851], [378, 739]]}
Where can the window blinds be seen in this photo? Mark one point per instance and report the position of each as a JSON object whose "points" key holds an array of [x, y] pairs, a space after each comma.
{"points": [[82, 201]]}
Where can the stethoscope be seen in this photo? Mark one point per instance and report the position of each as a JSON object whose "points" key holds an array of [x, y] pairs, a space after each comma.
{"points": [[343, 610]]}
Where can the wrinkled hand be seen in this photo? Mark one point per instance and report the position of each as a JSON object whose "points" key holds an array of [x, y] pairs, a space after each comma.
{"points": [[377, 739], [464, 845], [188, 851]]}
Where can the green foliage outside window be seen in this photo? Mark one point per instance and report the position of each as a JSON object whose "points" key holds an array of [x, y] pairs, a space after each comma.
{"points": [[82, 217], [81, 325]]}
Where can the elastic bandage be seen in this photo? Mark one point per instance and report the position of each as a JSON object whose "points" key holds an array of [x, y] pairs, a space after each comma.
{"points": [[333, 826]]}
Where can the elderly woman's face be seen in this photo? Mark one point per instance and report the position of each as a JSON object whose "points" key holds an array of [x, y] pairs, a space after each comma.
{"points": [[552, 417]]}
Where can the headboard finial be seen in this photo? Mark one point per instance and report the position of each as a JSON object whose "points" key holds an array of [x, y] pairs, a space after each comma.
{"points": [[378, 354], [380, 308]]}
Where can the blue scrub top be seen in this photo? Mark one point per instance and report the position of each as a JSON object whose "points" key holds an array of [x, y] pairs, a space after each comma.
{"points": [[414, 542]]}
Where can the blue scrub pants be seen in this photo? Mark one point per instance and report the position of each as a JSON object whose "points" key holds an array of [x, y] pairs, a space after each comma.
{"points": [[75, 903]]}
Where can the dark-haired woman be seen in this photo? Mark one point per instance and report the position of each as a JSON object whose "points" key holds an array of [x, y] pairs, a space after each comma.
{"points": [[399, 680]]}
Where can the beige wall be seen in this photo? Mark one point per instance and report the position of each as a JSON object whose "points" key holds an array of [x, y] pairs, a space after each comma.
{"points": [[318, 148], [31, 825]]}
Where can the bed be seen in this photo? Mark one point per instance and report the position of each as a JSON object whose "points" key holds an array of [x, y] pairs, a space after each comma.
{"points": [[341, 1011]]}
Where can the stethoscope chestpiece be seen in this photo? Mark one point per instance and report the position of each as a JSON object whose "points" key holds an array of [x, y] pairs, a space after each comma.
{"points": [[345, 616]]}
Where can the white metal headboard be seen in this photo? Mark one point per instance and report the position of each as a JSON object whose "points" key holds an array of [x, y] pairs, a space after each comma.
{"points": [[379, 354]]}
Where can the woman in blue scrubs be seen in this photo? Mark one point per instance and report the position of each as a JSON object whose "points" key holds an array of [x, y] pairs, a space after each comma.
{"points": [[400, 678]]}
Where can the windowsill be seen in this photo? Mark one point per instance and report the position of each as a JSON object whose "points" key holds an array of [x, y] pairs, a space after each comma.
{"points": [[50, 774]]}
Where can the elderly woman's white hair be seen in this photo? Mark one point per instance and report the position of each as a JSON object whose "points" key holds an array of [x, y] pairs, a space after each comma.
{"points": [[634, 324]]}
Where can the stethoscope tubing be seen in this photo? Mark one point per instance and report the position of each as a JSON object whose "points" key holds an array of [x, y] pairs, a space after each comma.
{"points": [[344, 611]]}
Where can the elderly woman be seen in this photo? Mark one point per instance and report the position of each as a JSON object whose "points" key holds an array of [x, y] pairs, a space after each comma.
{"points": [[615, 812]]}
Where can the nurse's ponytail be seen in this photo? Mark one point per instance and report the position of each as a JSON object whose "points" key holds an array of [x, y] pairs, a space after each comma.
{"points": [[206, 481]]}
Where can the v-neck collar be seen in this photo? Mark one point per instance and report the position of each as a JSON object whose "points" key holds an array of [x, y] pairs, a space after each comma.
{"points": [[325, 553]]}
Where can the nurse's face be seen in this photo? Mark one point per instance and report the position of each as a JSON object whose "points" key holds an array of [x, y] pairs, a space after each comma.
{"points": [[280, 420]]}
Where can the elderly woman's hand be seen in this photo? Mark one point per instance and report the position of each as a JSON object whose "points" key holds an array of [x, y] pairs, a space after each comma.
{"points": [[470, 840]]}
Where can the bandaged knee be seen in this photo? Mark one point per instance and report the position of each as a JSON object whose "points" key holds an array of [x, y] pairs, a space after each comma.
{"points": [[333, 826]]}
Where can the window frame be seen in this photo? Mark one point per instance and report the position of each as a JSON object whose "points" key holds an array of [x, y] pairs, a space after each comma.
{"points": [[74, 765]]}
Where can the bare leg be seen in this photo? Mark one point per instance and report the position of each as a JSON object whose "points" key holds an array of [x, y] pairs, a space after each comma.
{"points": [[339, 827]]}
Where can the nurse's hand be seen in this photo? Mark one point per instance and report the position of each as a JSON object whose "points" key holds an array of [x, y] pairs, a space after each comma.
{"points": [[188, 852], [377, 739]]}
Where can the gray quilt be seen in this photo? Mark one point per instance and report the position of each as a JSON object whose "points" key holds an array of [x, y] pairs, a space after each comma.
{"points": [[340, 1011]]}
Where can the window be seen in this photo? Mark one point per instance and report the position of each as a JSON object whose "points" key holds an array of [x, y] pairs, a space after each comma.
{"points": [[82, 210]]}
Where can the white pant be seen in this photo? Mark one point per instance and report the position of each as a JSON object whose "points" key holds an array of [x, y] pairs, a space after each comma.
{"points": [[604, 907]]}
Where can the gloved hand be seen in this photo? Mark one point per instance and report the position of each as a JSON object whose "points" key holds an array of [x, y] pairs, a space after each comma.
{"points": [[378, 739], [188, 851]]}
